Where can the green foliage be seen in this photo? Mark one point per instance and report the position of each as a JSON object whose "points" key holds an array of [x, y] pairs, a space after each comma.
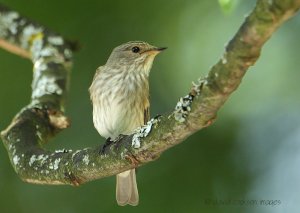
{"points": [[228, 6]]}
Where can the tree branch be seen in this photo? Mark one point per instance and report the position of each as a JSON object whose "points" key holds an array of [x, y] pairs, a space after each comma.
{"points": [[43, 117]]}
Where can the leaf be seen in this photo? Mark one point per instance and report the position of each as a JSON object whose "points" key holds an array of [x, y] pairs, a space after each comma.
{"points": [[228, 6]]}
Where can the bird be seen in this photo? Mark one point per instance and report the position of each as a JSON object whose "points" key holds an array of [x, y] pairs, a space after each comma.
{"points": [[120, 98]]}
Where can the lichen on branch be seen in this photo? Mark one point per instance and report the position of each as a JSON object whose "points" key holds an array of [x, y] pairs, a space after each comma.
{"points": [[44, 117]]}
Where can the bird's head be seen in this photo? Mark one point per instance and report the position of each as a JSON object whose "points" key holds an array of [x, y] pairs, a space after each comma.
{"points": [[134, 55]]}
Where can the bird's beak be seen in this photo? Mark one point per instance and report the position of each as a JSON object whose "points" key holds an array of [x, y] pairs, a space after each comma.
{"points": [[159, 49], [155, 50]]}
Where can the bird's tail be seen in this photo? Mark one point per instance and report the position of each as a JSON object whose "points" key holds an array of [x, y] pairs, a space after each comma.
{"points": [[126, 191]]}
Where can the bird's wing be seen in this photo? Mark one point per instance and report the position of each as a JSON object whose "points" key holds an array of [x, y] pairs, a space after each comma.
{"points": [[146, 114], [98, 70]]}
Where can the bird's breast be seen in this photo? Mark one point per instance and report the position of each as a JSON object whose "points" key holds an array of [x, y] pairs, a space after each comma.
{"points": [[119, 105]]}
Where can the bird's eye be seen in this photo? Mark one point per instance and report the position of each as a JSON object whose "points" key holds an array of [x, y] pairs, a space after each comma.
{"points": [[135, 49]]}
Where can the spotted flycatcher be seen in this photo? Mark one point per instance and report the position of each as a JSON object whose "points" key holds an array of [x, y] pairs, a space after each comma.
{"points": [[120, 98]]}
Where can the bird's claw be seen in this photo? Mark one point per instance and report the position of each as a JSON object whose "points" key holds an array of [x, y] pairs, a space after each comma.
{"points": [[103, 148], [109, 142]]}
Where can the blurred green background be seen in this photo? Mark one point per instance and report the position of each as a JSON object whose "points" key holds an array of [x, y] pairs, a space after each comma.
{"points": [[251, 153]]}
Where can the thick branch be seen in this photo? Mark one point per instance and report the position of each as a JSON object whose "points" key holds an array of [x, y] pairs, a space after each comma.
{"points": [[32, 127]]}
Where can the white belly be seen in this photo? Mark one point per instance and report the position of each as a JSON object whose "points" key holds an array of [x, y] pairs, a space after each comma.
{"points": [[113, 119]]}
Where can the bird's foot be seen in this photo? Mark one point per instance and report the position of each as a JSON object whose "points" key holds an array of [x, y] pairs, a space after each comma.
{"points": [[109, 142], [157, 116], [103, 148], [119, 140]]}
